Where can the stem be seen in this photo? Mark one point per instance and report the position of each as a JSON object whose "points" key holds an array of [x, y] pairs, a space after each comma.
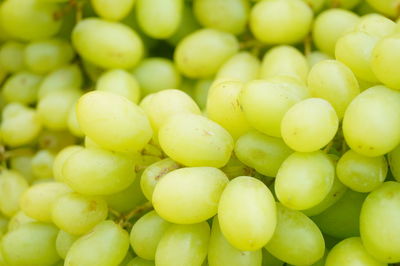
{"points": [[328, 147], [139, 209]]}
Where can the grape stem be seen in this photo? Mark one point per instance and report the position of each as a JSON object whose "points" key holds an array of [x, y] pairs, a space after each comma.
{"points": [[123, 220]]}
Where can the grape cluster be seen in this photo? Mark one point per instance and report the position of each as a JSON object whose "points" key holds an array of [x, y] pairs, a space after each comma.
{"points": [[199, 132]]}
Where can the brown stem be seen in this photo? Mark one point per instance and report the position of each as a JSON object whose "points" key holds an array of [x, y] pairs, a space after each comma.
{"points": [[139, 209]]}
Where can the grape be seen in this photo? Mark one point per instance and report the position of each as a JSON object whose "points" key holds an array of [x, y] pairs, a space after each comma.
{"points": [[376, 25], [60, 160], [106, 245], [187, 25], [183, 245], [351, 252], [381, 237], [394, 162], [294, 236], [269, 260], [247, 213], [261, 152], [387, 7], [113, 9], [55, 141], [19, 219], [146, 234], [105, 117], [12, 56], [242, 66], [216, 48], [73, 124], [42, 164], [64, 242], [201, 187], [12, 186], [22, 87], [138, 261], [117, 45], [200, 91], [315, 57], [309, 125], [220, 252], [234, 19], [281, 21], [290, 186], [22, 165], [345, 4]]}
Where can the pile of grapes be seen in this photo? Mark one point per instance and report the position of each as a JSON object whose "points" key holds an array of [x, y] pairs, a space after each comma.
{"points": [[199, 132]]}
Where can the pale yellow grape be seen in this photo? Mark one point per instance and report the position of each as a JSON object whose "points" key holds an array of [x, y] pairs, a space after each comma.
{"points": [[379, 227], [315, 57], [296, 235], [146, 234], [73, 124], [234, 20], [223, 107], [21, 87], [200, 91], [272, 99], [187, 25], [12, 56], [262, 152], [247, 213], [98, 171], [117, 45], [376, 111], [335, 21], [29, 19], [31, 244], [119, 82], [309, 125], [376, 25], [281, 21], [394, 162], [22, 164], [113, 121], [284, 61], [155, 74], [19, 219], [304, 179], [194, 140], [113, 9], [201, 187], [55, 141], [106, 245], [333, 81], [361, 173], [138, 261], [38, 200], [220, 252], [243, 66], [351, 252], [42, 164], [64, 242], [12, 186], [384, 59], [183, 245], [203, 52], [20, 127], [387, 7], [60, 159]]}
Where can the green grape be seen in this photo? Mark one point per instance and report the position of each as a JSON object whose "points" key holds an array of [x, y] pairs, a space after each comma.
{"points": [[379, 227], [42, 164], [68, 77], [106, 245], [269, 260], [201, 187], [351, 252], [183, 245], [78, 214], [372, 105], [234, 20], [128, 258], [335, 21], [194, 140], [315, 57], [387, 7], [117, 45], [284, 61], [12, 186], [113, 9], [272, 99], [3, 226], [159, 19], [296, 235], [60, 160], [30, 244], [152, 175], [64, 242], [344, 4], [394, 162], [12, 56], [376, 25], [21, 87], [73, 124], [333, 81], [203, 52], [187, 25], [247, 213], [98, 172], [220, 252], [291, 189], [341, 220], [29, 19], [53, 109], [223, 107], [38, 200], [44, 56], [20, 126], [243, 66], [19, 219], [309, 125], [23, 165], [262, 152], [281, 21], [106, 118], [55, 141], [119, 82], [146, 234], [138, 261], [200, 92]]}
